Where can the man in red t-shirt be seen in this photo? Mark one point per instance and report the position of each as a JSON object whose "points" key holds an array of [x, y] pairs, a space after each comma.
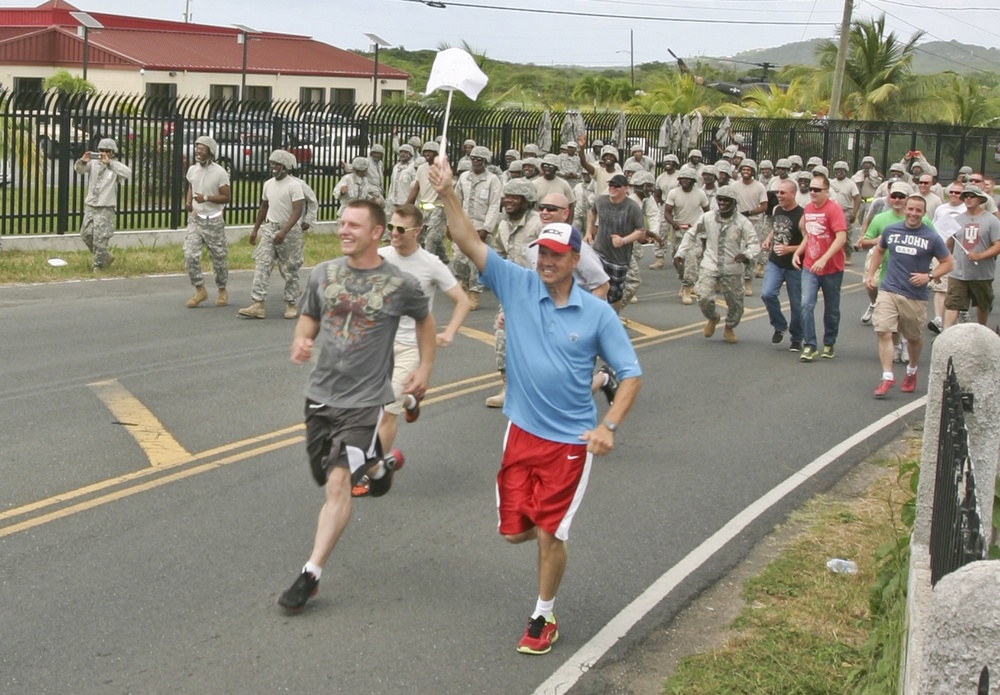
{"points": [[821, 258]]}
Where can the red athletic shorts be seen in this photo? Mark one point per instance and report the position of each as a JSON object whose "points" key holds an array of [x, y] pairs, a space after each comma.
{"points": [[540, 483]]}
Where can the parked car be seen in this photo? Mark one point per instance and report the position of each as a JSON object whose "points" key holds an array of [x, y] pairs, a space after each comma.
{"points": [[335, 145], [49, 134]]}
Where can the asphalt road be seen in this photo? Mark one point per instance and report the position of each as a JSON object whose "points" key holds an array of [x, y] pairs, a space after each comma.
{"points": [[156, 496]]}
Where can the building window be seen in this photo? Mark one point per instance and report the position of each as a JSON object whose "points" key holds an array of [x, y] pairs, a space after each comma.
{"points": [[396, 96], [342, 97], [311, 98], [258, 94], [29, 93], [224, 92], [161, 99]]}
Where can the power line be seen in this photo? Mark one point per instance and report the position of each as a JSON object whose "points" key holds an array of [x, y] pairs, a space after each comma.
{"points": [[567, 13]]}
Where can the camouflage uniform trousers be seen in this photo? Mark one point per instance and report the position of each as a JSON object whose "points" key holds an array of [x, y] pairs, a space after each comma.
{"points": [[762, 226], [691, 267], [210, 234], [288, 256], [732, 292], [632, 279], [466, 271], [433, 233], [97, 229], [500, 342]]}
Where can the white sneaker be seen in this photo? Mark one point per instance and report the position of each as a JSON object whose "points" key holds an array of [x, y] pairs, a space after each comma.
{"points": [[866, 317], [897, 355], [904, 353]]}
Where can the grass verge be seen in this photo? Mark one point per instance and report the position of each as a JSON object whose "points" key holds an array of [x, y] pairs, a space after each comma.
{"points": [[32, 266], [804, 629]]}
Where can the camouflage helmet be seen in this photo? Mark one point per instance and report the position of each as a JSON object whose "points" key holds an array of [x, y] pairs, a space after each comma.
{"points": [[530, 148], [210, 143], [108, 144], [516, 165], [377, 148], [814, 161], [430, 146], [794, 159], [840, 165], [359, 164], [766, 164], [551, 160], [687, 172], [820, 169], [695, 153], [481, 152], [749, 163], [535, 162], [724, 167], [709, 169], [783, 163], [285, 159], [631, 165], [512, 153], [609, 149], [672, 158], [642, 178], [520, 187], [408, 148], [469, 143], [414, 142], [727, 191]]}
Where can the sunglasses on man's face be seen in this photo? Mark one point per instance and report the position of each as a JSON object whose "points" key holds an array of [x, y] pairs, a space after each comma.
{"points": [[813, 189], [898, 196], [615, 185], [398, 228], [548, 207]]}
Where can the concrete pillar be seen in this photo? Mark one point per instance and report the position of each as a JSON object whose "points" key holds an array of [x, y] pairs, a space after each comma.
{"points": [[975, 351]]}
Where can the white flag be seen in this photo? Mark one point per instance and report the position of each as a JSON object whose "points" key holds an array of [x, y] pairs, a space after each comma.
{"points": [[455, 69]]}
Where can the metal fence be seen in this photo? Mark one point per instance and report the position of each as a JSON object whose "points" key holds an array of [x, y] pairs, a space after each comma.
{"points": [[41, 135], [956, 530]]}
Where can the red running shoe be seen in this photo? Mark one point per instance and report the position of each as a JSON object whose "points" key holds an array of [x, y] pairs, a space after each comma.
{"points": [[884, 386], [538, 636], [909, 384]]}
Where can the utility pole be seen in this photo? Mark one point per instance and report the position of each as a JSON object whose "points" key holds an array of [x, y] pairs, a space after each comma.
{"points": [[631, 55], [838, 71]]}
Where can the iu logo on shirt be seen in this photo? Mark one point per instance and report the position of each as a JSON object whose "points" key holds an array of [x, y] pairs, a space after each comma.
{"points": [[970, 236]]}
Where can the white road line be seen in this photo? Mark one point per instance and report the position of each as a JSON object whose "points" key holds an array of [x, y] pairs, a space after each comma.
{"points": [[588, 655]]}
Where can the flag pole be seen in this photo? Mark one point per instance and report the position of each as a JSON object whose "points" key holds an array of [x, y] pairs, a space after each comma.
{"points": [[447, 115]]}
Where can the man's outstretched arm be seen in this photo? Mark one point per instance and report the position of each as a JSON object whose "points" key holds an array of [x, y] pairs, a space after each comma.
{"points": [[460, 226]]}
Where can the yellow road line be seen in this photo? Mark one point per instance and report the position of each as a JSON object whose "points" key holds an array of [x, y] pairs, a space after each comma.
{"points": [[642, 328], [128, 492], [481, 336], [159, 445]]}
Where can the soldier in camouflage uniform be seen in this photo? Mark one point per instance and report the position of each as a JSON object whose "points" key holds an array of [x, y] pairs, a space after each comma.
{"points": [[569, 165], [102, 198], [401, 180], [423, 195], [376, 170], [519, 225], [730, 241], [479, 192], [356, 186], [642, 184], [281, 208], [207, 196], [584, 194]]}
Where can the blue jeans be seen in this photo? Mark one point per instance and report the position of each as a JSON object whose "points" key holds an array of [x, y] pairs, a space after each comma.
{"points": [[811, 285], [774, 277]]}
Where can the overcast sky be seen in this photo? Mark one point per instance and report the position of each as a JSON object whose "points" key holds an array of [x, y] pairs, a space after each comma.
{"points": [[723, 27]]}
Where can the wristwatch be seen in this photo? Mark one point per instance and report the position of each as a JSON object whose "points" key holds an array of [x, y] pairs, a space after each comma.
{"points": [[611, 426]]}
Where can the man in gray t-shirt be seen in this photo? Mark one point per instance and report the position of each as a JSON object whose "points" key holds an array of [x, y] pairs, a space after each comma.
{"points": [[614, 223], [975, 247], [350, 311]]}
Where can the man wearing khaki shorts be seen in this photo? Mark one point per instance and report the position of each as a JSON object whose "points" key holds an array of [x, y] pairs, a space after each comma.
{"points": [[901, 305], [978, 242]]}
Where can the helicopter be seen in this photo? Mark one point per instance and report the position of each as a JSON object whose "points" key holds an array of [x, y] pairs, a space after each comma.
{"points": [[733, 89]]}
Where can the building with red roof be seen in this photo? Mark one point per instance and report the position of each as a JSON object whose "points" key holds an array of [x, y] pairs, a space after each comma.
{"points": [[159, 58]]}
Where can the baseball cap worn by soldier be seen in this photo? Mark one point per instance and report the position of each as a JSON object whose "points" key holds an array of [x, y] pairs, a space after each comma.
{"points": [[559, 237]]}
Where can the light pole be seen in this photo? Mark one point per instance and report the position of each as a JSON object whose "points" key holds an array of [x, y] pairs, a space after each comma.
{"points": [[378, 41], [86, 24], [631, 56], [244, 39]]}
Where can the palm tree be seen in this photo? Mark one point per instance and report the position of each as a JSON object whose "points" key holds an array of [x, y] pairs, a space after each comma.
{"points": [[968, 103], [776, 102], [677, 93], [878, 82]]}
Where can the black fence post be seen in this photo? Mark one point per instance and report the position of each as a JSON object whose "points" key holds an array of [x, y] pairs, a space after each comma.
{"points": [[177, 197], [506, 138], [62, 180]]}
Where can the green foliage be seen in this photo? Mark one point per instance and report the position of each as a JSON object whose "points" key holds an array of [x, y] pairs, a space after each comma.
{"points": [[882, 653], [69, 84]]}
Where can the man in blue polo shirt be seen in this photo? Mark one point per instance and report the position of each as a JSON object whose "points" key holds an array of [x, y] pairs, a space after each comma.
{"points": [[901, 305], [555, 330]]}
